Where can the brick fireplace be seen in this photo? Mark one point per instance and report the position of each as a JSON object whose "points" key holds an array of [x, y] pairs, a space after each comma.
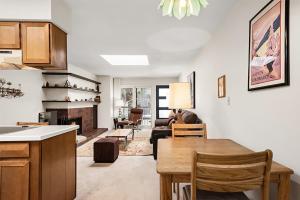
{"points": [[84, 117]]}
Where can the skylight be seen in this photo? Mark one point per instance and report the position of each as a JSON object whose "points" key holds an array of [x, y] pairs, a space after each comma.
{"points": [[141, 60]]}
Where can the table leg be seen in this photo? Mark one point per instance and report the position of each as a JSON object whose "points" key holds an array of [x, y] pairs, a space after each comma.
{"points": [[125, 141], [133, 134], [284, 187], [165, 187]]}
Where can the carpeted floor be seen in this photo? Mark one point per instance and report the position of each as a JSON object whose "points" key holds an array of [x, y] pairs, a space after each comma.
{"points": [[140, 146], [128, 178]]}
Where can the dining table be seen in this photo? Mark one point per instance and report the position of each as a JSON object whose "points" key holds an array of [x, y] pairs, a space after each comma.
{"points": [[174, 162]]}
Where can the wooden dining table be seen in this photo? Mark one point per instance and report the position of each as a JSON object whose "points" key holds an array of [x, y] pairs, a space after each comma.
{"points": [[174, 162]]}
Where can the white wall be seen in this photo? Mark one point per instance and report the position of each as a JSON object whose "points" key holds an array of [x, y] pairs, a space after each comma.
{"points": [[29, 9], [27, 107], [61, 14], [259, 120], [141, 82], [56, 11], [105, 109]]}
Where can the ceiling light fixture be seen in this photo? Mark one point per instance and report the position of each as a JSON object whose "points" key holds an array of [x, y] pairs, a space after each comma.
{"points": [[133, 60], [182, 8]]}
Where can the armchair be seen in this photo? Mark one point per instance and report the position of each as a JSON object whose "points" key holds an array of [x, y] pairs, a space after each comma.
{"points": [[134, 119]]}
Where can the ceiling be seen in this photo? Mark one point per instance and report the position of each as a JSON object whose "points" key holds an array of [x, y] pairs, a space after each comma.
{"points": [[136, 27]]}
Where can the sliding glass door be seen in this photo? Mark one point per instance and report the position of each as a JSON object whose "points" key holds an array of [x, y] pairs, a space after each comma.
{"points": [[137, 97], [143, 100]]}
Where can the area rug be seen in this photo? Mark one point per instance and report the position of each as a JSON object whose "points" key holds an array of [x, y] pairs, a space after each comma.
{"points": [[140, 146]]}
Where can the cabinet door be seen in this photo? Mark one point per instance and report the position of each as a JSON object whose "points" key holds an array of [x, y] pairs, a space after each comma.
{"points": [[59, 167], [58, 39], [36, 43], [9, 35], [14, 179]]}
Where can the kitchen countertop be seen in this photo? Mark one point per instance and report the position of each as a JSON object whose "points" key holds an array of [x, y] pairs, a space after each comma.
{"points": [[36, 133]]}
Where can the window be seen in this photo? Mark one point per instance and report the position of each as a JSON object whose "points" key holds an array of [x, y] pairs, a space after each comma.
{"points": [[162, 102]]}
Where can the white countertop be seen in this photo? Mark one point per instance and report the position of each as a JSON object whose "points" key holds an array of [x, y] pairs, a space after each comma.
{"points": [[36, 133]]}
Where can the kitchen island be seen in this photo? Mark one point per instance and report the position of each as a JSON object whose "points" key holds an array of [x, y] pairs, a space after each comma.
{"points": [[38, 163]]}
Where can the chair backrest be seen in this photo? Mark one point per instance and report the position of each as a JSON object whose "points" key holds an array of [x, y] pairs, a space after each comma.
{"points": [[32, 123], [183, 130], [136, 114], [232, 173]]}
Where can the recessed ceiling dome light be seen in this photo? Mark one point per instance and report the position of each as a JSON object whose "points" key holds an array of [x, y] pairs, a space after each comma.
{"points": [[125, 60], [182, 8]]}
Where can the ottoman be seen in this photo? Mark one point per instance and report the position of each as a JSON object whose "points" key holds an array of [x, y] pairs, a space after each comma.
{"points": [[106, 150]]}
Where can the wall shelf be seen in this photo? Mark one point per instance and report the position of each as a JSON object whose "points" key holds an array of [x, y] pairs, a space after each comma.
{"points": [[71, 74], [62, 101], [72, 88]]}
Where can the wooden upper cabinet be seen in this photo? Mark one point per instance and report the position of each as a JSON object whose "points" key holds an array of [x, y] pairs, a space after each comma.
{"points": [[10, 35], [58, 40], [44, 45], [36, 43]]}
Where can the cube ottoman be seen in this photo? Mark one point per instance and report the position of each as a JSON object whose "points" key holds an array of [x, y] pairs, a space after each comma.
{"points": [[106, 150]]}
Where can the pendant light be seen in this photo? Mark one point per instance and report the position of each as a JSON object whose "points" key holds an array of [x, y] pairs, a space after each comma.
{"points": [[182, 8]]}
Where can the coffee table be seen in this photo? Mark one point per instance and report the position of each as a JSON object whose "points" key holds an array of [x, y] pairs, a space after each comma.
{"points": [[121, 133]]}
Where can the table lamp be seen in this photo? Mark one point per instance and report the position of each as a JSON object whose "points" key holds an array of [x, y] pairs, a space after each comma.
{"points": [[180, 98]]}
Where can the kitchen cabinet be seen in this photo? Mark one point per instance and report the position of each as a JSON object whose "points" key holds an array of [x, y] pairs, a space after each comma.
{"points": [[44, 45], [14, 179], [39, 170], [10, 35]]}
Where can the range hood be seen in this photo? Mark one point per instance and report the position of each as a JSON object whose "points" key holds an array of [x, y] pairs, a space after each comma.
{"points": [[12, 60]]}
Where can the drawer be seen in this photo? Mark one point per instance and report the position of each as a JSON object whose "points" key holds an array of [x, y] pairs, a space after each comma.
{"points": [[14, 150]]}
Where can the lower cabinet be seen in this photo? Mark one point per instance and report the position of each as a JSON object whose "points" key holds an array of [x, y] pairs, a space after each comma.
{"points": [[14, 179], [43, 170]]}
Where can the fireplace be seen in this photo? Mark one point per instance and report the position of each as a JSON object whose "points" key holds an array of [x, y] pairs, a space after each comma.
{"points": [[86, 118], [75, 121]]}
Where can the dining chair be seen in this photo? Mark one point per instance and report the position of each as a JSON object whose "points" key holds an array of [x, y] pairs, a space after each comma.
{"points": [[187, 130], [226, 177], [32, 123]]}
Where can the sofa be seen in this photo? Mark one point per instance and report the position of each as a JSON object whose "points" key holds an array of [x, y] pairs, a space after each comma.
{"points": [[163, 127]]}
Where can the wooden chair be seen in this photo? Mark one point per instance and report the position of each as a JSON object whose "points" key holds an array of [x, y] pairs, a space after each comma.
{"points": [[187, 130], [32, 123], [222, 177]]}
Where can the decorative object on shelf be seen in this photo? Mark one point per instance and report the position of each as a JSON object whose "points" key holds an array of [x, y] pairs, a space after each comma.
{"points": [[47, 84], [222, 87], [97, 88], [66, 87], [67, 98], [67, 84], [269, 47], [7, 92], [192, 80], [97, 99], [182, 8]]}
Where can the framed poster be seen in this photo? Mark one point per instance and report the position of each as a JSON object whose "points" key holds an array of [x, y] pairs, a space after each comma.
{"points": [[222, 87], [192, 80], [269, 47]]}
